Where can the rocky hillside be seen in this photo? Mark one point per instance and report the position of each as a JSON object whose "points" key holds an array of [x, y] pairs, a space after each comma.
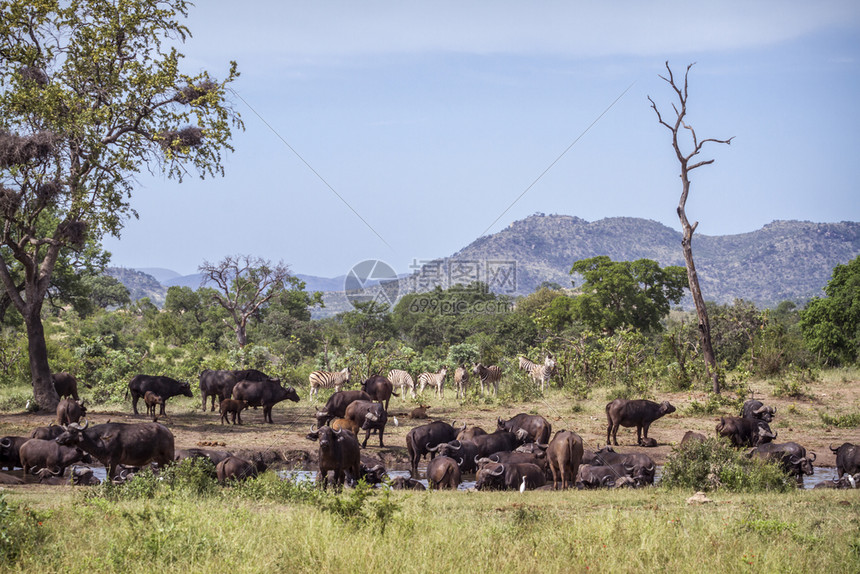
{"points": [[139, 284], [785, 260]]}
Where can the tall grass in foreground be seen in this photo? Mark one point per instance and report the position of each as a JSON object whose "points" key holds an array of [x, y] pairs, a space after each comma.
{"points": [[259, 528]]}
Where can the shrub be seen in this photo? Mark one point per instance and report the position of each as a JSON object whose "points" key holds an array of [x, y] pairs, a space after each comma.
{"points": [[848, 421], [713, 464], [20, 530]]}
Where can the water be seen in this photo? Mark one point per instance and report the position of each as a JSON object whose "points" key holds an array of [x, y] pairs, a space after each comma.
{"points": [[821, 474]]}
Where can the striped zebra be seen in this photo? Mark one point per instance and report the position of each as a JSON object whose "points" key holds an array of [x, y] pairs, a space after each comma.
{"points": [[402, 379], [488, 375], [434, 380], [538, 372], [327, 380], [461, 380]]}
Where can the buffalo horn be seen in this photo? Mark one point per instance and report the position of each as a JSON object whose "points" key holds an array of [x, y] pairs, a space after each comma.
{"points": [[811, 457], [76, 426], [458, 447], [833, 450], [496, 460], [761, 410], [313, 428], [501, 471], [542, 446], [6, 443], [461, 461], [434, 448], [338, 432]]}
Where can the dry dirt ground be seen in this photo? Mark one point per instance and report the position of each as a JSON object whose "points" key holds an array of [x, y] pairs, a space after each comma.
{"points": [[283, 444]]}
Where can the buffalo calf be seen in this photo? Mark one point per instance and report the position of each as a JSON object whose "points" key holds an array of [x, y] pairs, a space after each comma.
{"points": [[233, 407]]}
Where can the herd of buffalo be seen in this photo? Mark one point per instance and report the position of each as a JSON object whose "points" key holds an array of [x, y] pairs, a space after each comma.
{"points": [[520, 453]]}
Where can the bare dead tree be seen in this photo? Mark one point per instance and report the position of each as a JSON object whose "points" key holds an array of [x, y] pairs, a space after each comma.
{"points": [[245, 283], [684, 159]]}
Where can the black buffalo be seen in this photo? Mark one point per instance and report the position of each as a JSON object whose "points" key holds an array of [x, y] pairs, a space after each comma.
{"points": [[403, 483], [754, 409], [510, 476], [335, 406], [422, 438], [70, 411], [443, 472], [463, 451], [78, 477], [499, 441], [745, 432], [692, 436], [565, 455], [643, 466], [235, 469], [470, 433], [215, 456], [369, 416], [791, 457], [47, 454], [10, 446], [339, 453], [380, 389], [49, 432], [264, 394], [537, 427], [165, 387], [120, 443], [507, 457], [219, 383], [66, 385], [847, 458], [591, 476], [639, 413]]}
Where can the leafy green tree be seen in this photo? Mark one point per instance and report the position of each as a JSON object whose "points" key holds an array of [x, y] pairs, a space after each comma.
{"points": [[367, 324], [92, 94], [618, 294], [105, 291], [245, 285], [831, 324]]}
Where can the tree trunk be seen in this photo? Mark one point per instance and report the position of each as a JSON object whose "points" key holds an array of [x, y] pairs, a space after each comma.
{"points": [[695, 290], [40, 371]]}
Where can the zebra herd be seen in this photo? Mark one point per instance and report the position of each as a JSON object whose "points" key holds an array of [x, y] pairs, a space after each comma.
{"points": [[400, 379]]}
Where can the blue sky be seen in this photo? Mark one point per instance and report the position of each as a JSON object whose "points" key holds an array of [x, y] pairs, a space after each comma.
{"points": [[430, 119]]}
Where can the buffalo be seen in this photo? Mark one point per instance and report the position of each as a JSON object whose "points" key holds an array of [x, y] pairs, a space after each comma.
{"points": [[215, 456], [754, 409], [70, 411], [419, 412], [369, 416], [691, 436], [151, 400], [510, 476], [591, 476], [336, 405], [538, 428], [464, 451], [120, 443], [642, 465], [848, 481], [345, 424], [791, 456], [10, 447], [379, 389], [264, 394], [39, 454], [232, 407], [403, 483], [338, 452], [49, 432], [499, 441], [78, 477], [66, 385], [847, 458], [745, 432], [421, 439], [234, 468], [219, 384], [470, 433], [639, 413], [165, 387], [565, 455], [443, 472], [508, 457]]}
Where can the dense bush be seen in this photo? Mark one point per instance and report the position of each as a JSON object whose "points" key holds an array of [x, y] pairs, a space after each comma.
{"points": [[713, 464]]}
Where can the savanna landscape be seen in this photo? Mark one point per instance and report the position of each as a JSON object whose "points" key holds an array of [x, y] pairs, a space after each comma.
{"points": [[93, 97]]}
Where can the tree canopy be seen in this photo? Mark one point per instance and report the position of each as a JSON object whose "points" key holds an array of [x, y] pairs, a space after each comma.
{"points": [[92, 94], [831, 324]]}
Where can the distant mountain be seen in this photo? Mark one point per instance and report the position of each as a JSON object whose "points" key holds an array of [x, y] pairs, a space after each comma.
{"points": [[159, 274], [139, 284], [785, 260]]}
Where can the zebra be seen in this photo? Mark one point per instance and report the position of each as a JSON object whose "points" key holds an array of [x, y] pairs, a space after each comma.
{"points": [[537, 372], [461, 380], [328, 380], [488, 375], [402, 379], [434, 380]]}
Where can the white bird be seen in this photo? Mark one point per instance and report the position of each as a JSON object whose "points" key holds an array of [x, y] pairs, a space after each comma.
{"points": [[396, 422], [851, 480], [523, 486]]}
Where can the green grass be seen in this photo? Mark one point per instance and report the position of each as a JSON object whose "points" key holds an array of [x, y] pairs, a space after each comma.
{"points": [[574, 531]]}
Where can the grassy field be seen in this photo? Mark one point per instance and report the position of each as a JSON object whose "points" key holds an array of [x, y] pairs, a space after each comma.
{"points": [[575, 531]]}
